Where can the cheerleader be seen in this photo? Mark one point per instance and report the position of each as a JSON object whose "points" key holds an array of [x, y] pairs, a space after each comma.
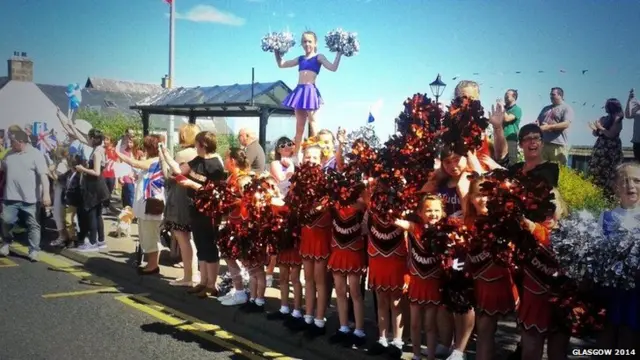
{"points": [[237, 166], [255, 267], [348, 264], [315, 242], [622, 329], [387, 254], [451, 183], [424, 276], [535, 310], [281, 169], [305, 99], [495, 291]]}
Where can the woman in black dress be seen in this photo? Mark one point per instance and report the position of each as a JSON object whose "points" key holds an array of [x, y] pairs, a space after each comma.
{"points": [[207, 166], [607, 151], [94, 193]]}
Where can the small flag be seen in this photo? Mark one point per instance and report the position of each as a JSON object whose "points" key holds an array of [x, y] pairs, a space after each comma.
{"points": [[46, 140], [170, 2], [371, 118]]}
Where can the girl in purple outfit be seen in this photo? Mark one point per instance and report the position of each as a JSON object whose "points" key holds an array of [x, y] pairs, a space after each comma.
{"points": [[305, 99]]}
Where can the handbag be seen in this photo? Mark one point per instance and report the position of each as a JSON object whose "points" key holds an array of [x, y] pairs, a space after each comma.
{"points": [[153, 206]]}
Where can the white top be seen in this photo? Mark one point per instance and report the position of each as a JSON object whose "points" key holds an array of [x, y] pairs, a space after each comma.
{"points": [[625, 218], [284, 185], [139, 200]]}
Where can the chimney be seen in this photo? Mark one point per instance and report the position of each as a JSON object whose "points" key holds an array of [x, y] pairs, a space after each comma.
{"points": [[20, 67], [165, 81]]}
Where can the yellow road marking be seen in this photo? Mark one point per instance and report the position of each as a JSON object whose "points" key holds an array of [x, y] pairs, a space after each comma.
{"points": [[180, 324], [265, 352], [81, 292], [6, 262], [64, 266]]}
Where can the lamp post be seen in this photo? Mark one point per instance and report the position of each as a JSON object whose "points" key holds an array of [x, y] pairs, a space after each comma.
{"points": [[437, 87]]}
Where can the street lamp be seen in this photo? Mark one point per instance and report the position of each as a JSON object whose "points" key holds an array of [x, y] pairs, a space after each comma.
{"points": [[437, 87]]}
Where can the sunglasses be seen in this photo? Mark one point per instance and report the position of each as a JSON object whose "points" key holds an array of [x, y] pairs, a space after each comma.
{"points": [[286, 145], [531, 138]]}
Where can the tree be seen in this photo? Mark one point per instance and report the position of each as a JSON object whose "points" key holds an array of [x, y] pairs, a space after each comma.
{"points": [[225, 142], [113, 124]]}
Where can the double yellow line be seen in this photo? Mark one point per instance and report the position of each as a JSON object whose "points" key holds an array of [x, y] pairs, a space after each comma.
{"points": [[208, 332], [5, 263]]}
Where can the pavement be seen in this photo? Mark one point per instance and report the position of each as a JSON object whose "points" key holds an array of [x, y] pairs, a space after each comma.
{"points": [[252, 335]]}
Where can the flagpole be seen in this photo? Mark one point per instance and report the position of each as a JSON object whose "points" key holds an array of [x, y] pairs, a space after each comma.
{"points": [[172, 23]]}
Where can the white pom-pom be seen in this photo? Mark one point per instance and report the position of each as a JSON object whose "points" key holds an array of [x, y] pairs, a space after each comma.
{"points": [[585, 252], [343, 42], [279, 43]]}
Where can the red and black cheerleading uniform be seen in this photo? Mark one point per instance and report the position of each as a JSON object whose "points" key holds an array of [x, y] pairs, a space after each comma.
{"points": [[494, 289], [425, 271], [315, 238], [289, 249], [348, 243], [535, 308], [387, 250]]}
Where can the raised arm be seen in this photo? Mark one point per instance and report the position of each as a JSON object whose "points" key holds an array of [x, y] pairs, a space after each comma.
{"points": [[277, 172], [182, 169], [613, 131], [328, 65], [633, 107], [70, 129], [497, 118], [138, 164], [341, 138], [285, 64]]}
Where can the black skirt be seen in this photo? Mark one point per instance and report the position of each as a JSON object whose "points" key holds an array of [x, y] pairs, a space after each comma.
{"points": [[94, 191]]}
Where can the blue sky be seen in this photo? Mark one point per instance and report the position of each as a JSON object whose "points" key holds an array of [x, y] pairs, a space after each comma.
{"points": [[404, 44]]}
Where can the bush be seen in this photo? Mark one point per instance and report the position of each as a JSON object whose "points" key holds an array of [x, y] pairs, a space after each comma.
{"points": [[226, 141], [581, 194], [112, 125]]}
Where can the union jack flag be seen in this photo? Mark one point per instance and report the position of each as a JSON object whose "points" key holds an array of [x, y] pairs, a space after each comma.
{"points": [[46, 140], [154, 182]]}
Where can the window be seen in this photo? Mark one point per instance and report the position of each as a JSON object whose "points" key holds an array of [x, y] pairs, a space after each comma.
{"points": [[110, 104]]}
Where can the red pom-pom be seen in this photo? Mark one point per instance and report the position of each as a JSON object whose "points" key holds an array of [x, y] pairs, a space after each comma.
{"points": [[215, 199], [307, 192]]}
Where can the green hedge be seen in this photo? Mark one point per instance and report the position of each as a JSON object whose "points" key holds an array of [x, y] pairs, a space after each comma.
{"points": [[580, 193]]}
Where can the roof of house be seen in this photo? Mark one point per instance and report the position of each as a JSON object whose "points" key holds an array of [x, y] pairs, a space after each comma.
{"points": [[116, 102], [227, 99], [120, 86], [3, 81]]}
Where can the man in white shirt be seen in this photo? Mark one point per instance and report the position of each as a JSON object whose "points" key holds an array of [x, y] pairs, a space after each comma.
{"points": [[27, 184]]}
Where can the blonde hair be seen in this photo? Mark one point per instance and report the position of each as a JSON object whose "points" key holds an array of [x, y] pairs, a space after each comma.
{"points": [[468, 84], [625, 167], [315, 39], [430, 197], [187, 135]]}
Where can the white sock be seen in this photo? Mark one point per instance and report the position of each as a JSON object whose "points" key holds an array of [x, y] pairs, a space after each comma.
{"points": [[319, 322], [398, 343], [359, 333], [383, 341], [308, 319], [252, 300], [296, 314], [344, 329], [259, 301], [284, 309]]}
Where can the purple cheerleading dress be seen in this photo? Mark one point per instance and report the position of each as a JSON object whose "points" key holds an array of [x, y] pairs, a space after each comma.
{"points": [[305, 96]]}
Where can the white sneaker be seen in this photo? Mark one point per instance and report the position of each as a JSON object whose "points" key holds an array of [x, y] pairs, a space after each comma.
{"points": [[239, 298], [4, 250], [227, 296], [269, 282], [33, 256], [58, 242], [456, 355]]}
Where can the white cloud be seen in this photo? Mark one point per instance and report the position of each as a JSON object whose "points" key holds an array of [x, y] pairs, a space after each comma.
{"points": [[206, 13]]}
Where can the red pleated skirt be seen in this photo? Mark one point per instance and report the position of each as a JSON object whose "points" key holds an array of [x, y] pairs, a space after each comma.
{"points": [[290, 257], [315, 243], [387, 273], [348, 261], [534, 311], [495, 291], [424, 291], [260, 261]]}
